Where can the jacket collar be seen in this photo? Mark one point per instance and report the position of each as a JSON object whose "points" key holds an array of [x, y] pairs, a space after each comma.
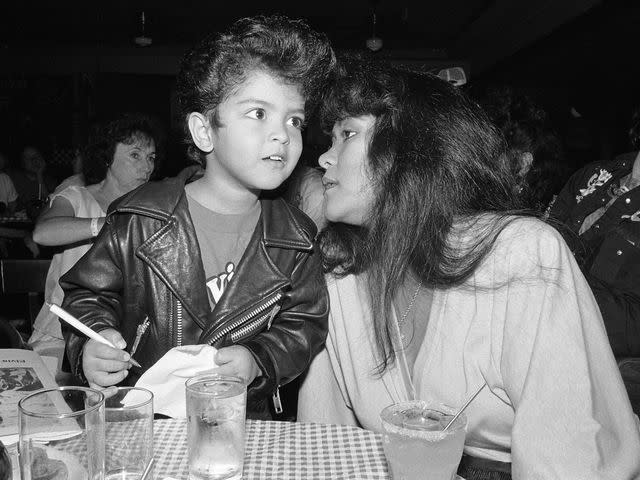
{"points": [[282, 228], [283, 225]]}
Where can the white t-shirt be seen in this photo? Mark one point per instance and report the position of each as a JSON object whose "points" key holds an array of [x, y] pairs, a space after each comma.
{"points": [[46, 338]]}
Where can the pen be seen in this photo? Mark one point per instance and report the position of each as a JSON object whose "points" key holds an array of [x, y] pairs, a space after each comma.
{"points": [[74, 322]]}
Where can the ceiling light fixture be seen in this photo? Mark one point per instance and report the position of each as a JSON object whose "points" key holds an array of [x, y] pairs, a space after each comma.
{"points": [[142, 40], [374, 43]]}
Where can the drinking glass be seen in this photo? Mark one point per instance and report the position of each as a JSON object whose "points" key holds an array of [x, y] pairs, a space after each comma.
{"points": [[61, 434], [216, 411], [129, 433], [415, 444]]}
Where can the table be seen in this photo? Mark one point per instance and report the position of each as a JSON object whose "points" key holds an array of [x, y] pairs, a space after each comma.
{"points": [[18, 220], [283, 450]]}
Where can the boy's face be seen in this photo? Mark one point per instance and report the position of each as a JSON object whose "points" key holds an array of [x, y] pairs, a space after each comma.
{"points": [[259, 141]]}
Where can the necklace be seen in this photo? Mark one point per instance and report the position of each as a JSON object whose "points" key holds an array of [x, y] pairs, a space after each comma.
{"points": [[402, 358], [402, 320]]}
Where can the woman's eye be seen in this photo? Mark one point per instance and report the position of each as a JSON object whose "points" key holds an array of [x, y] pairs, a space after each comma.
{"points": [[135, 155], [296, 122], [257, 113], [348, 134]]}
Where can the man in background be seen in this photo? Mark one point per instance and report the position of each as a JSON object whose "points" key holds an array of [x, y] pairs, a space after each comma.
{"points": [[601, 206]]}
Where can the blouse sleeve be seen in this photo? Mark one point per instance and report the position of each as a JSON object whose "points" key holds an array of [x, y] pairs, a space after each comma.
{"points": [[71, 194], [573, 418]]}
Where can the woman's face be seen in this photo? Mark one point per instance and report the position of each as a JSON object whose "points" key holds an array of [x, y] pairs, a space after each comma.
{"points": [[348, 193], [133, 164]]}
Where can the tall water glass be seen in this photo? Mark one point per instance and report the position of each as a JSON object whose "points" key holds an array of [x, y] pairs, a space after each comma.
{"points": [[61, 434], [129, 433], [415, 444], [216, 411]]}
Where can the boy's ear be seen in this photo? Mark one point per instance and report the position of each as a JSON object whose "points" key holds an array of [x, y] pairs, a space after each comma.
{"points": [[201, 132]]}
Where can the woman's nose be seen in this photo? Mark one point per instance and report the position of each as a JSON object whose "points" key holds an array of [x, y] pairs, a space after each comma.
{"points": [[327, 159], [149, 164]]}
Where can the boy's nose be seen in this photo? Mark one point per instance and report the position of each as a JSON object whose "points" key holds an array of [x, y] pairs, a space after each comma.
{"points": [[281, 134]]}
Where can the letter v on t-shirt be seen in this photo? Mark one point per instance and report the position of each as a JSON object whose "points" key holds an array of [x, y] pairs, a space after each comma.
{"points": [[223, 239]]}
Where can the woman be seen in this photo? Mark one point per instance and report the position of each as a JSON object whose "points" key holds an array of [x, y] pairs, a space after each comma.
{"points": [[120, 156], [437, 287]]}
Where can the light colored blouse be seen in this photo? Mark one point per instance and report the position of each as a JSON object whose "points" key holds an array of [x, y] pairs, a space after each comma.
{"points": [[527, 324]]}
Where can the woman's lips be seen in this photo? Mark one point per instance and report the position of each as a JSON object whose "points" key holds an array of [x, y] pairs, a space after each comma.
{"points": [[328, 183]]}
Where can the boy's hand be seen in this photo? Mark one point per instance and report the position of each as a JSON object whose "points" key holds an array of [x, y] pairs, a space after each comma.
{"points": [[102, 365], [237, 360]]}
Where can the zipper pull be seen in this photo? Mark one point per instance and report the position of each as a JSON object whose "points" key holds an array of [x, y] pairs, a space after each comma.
{"points": [[272, 315], [139, 333], [277, 404]]}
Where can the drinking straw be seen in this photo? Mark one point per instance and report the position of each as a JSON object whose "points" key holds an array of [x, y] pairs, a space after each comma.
{"points": [[145, 474], [464, 406]]}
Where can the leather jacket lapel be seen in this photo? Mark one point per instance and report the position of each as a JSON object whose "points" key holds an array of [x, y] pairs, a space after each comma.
{"points": [[174, 265], [256, 277]]}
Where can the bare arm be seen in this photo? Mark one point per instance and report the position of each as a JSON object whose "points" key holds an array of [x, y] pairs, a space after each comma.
{"points": [[57, 225]]}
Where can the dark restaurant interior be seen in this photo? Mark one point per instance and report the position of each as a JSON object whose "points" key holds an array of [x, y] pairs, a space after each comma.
{"points": [[63, 67], [565, 66]]}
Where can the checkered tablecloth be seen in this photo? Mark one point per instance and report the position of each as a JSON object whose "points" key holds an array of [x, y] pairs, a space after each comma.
{"points": [[284, 450]]}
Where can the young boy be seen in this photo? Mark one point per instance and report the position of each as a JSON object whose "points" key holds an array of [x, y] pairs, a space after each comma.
{"points": [[202, 258]]}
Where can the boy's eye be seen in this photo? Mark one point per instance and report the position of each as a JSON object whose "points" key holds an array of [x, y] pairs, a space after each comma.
{"points": [[257, 113], [296, 122]]}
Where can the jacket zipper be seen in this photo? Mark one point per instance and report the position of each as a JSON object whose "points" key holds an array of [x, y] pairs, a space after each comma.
{"points": [[255, 325], [277, 403], [179, 320], [256, 311], [139, 333]]}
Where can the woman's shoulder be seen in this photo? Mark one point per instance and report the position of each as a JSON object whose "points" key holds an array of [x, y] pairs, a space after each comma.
{"points": [[527, 240], [529, 229], [73, 193]]}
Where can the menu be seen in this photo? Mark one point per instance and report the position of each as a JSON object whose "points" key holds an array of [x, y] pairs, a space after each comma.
{"points": [[21, 373]]}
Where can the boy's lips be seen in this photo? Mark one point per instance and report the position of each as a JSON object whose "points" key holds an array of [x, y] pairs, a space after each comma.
{"points": [[275, 158]]}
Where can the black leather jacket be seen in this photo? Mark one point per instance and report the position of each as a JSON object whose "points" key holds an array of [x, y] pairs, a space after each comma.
{"points": [[144, 274], [609, 252]]}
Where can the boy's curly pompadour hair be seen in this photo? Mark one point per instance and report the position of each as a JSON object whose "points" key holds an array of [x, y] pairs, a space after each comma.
{"points": [[288, 49]]}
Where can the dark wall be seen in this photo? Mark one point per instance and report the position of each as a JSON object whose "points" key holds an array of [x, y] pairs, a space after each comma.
{"points": [[55, 112], [588, 68]]}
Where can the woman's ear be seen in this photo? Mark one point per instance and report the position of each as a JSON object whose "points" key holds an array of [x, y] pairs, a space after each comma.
{"points": [[201, 132]]}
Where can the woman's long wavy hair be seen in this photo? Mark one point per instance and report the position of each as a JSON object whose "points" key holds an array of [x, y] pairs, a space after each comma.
{"points": [[436, 163]]}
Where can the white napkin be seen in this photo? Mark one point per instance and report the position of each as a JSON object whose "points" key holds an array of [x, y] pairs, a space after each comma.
{"points": [[166, 378]]}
